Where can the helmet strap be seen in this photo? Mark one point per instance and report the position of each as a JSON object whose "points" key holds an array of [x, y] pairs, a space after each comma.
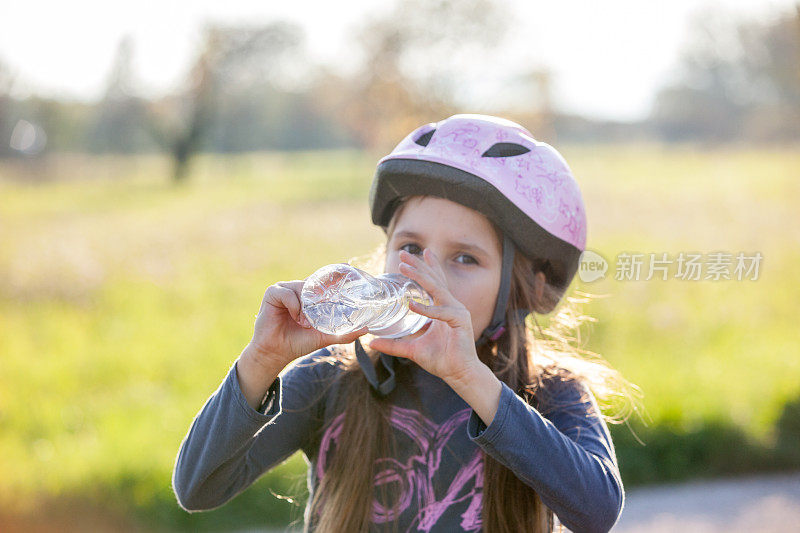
{"points": [[498, 324], [370, 372]]}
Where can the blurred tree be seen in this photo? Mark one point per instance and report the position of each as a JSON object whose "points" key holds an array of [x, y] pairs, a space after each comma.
{"points": [[6, 84], [266, 117], [231, 57], [706, 101], [772, 66], [738, 80], [533, 93], [274, 109], [59, 125], [416, 58], [120, 122]]}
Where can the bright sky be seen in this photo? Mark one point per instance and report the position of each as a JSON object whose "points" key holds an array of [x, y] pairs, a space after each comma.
{"points": [[608, 58]]}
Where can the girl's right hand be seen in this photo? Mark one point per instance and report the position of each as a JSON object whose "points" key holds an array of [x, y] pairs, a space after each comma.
{"points": [[281, 330]]}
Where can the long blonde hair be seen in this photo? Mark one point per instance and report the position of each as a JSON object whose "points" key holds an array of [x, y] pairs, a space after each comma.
{"points": [[523, 357]]}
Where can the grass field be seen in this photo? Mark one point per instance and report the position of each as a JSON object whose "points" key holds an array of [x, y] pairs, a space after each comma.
{"points": [[124, 299]]}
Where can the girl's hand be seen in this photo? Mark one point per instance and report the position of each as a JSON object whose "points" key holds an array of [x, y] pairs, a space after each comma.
{"points": [[447, 348], [281, 330]]}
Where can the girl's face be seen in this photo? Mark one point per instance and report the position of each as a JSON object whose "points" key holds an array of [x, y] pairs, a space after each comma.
{"points": [[465, 244]]}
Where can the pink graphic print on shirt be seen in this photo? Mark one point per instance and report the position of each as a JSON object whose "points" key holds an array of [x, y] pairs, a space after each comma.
{"points": [[414, 476]]}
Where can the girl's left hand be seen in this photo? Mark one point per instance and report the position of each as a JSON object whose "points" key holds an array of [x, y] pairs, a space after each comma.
{"points": [[447, 348]]}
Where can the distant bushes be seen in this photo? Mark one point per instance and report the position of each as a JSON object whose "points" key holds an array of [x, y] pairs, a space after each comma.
{"points": [[715, 448]]}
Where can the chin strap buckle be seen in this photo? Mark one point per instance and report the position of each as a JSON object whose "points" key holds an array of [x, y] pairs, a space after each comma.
{"points": [[496, 332], [491, 333]]}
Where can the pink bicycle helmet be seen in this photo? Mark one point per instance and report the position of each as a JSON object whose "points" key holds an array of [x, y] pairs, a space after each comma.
{"points": [[497, 168]]}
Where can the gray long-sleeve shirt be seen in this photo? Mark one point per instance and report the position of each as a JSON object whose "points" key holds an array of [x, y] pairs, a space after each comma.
{"points": [[561, 447]]}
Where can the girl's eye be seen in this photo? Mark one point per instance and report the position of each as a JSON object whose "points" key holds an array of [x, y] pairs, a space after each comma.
{"points": [[464, 259], [413, 249]]}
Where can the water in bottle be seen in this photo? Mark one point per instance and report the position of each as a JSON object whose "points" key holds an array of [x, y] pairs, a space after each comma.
{"points": [[340, 298]]}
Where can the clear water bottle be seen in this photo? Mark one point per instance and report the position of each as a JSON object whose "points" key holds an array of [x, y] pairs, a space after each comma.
{"points": [[340, 298]]}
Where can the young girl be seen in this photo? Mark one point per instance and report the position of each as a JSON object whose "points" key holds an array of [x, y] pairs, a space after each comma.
{"points": [[474, 422]]}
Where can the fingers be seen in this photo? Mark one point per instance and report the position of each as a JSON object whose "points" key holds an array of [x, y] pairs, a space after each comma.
{"points": [[397, 347], [296, 285], [431, 260], [281, 296], [431, 278], [453, 316]]}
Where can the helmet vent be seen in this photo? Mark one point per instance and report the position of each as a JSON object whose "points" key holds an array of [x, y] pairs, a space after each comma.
{"points": [[505, 150], [424, 139]]}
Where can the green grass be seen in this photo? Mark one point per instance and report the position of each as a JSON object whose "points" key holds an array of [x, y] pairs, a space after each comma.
{"points": [[124, 299]]}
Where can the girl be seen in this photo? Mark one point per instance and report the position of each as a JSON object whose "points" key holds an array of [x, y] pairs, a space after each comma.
{"points": [[472, 423]]}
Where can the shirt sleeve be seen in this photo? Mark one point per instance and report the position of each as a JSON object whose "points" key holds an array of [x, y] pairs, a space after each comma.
{"points": [[229, 444], [568, 457]]}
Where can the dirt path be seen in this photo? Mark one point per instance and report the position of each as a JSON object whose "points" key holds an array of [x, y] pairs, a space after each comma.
{"points": [[762, 504]]}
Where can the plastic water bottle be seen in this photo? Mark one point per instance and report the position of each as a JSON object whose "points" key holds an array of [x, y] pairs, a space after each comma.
{"points": [[340, 298]]}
